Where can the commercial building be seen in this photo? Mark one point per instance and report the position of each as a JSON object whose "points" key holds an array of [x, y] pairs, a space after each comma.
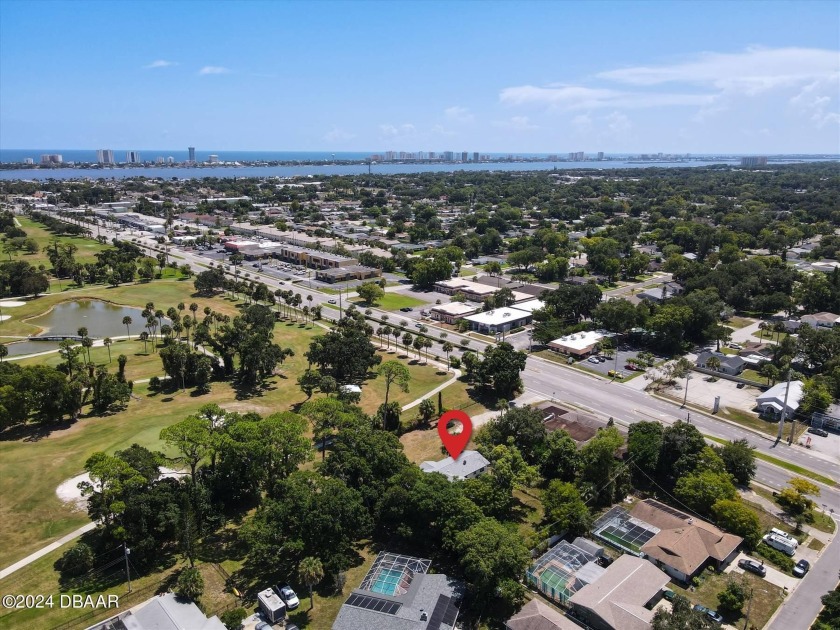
{"points": [[162, 612], [622, 598], [191, 151], [105, 156], [578, 344], [475, 156], [780, 397], [132, 157], [213, 159], [452, 312], [49, 159], [468, 465], [474, 291], [399, 593], [754, 160], [343, 274], [465, 156], [727, 364], [498, 320]]}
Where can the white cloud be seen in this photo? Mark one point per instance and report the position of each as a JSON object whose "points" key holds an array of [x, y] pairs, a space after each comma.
{"points": [[578, 97], [618, 123], [815, 101], [517, 123], [338, 135], [214, 70], [750, 72], [459, 114], [160, 63], [393, 131]]}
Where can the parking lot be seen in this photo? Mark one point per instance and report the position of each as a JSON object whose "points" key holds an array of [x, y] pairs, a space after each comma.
{"points": [[611, 363]]}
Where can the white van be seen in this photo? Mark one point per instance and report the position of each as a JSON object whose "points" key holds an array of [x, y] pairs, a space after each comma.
{"points": [[783, 544]]}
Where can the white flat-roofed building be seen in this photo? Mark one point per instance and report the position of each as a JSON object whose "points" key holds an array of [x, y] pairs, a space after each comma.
{"points": [[498, 320], [452, 312], [529, 306], [577, 344]]}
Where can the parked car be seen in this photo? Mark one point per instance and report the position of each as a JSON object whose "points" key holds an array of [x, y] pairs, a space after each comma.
{"points": [[669, 595], [418, 325], [329, 301], [736, 346], [406, 309], [288, 596], [752, 566], [711, 614], [602, 359], [262, 625], [801, 568], [593, 360], [816, 431]]}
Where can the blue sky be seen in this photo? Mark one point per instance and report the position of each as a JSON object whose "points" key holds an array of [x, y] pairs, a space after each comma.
{"points": [[701, 77]]}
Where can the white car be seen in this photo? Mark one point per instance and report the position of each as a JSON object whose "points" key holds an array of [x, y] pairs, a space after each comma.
{"points": [[593, 360], [288, 596]]}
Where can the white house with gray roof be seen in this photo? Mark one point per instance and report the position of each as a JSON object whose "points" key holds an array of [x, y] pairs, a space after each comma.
{"points": [[398, 593], [468, 465]]}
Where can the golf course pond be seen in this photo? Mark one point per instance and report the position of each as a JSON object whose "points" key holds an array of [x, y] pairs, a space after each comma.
{"points": [[102, 319]]}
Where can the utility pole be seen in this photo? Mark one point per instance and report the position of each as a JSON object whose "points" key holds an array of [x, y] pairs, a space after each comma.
{"points": [[687, 379], [127, 551], [780, 435], [749, 607]]}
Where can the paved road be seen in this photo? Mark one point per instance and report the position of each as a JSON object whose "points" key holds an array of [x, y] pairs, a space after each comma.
{"points": [[609, 399], [804, 604]]}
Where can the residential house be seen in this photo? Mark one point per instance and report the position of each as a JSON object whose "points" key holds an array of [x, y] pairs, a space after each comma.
{"points": [[535, 615], [162, 612], [469, 464], [821, 320], [684, 545], [399, 593], [772, 402], [621, 598]]}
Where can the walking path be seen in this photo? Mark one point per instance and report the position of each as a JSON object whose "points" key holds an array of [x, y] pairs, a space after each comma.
{"points": [[45, 550]]}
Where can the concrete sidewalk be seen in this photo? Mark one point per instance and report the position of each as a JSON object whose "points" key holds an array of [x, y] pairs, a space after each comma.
{"points": [[44, 551]]}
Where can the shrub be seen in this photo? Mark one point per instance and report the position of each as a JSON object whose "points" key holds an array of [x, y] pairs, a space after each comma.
{"points": [[775, 556], [731, 599], [75, 562], [232, 619], [190, 583], [154, 383]]}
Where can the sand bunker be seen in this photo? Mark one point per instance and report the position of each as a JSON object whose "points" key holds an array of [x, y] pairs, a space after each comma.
{"points": [[11, 304], [68, 491]]}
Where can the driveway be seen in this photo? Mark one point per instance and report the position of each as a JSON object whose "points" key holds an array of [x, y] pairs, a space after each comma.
{"points": [[774, 576]]}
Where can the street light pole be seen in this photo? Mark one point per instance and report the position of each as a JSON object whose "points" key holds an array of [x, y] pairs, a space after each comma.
{"points": [[687, 379]]}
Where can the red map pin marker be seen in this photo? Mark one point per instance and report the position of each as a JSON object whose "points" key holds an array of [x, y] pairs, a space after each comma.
{"points": [[455, 443]]}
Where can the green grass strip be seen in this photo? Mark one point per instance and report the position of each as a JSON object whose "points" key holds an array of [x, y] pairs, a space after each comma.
{"points": [[799, 470]]}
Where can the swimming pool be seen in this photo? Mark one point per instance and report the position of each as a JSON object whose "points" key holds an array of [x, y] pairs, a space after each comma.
{"points": [[387, 581]]}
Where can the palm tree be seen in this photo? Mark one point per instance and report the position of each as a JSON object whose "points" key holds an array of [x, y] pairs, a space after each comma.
{"points": [[447, 348], [379, 334], [144, 337], [108, 341], [427, 343], [310, 573], [395, 332], [713, 363], [386, 330]]}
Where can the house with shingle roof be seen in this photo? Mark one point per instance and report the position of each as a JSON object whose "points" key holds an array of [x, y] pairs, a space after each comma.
{"points": [[535, 615], [621, 599], [685, 545]]}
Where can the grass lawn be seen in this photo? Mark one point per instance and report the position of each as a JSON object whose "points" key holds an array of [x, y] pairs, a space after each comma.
{"points": [[766, 597], [393, 302], [141, 364], [468, 271], [769, 335], [821, 521], [739, 322], [781, 463], [87, 247], [816, 544]]}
